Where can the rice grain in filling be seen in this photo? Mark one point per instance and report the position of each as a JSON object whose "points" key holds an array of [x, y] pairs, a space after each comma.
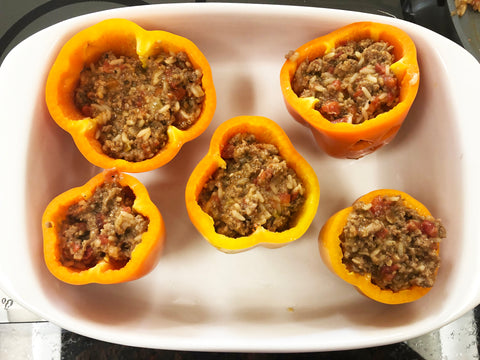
{"points": [[135, 103], [393, 243], [353, 82], [257, 188], [102, 227]]}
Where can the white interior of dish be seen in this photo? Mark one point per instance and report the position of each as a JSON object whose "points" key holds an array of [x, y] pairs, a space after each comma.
{"points": [[262, 300]]}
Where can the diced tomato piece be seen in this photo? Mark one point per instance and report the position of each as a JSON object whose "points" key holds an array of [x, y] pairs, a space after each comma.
{"points": [[379, 206], [413, 225], [381, 234], [429, 228], [331, 107], [285, 198], [88, 256], [390, 98], [390, 81], [75, 247], [380, 68], [179, 93], [337, 85], [103, 239], [172, 80], [358, 93], [227, 151], [389, 272], [374, 104], [82, 227], [264, 176]]}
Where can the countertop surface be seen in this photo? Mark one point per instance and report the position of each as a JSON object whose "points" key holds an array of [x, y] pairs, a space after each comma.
{"points": [[25, 336]]}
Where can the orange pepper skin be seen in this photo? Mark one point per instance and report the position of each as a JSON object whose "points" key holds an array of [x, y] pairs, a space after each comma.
{"points": [[123, 37], [343, 140], [266, 131], [144, 257], [332, 255]]}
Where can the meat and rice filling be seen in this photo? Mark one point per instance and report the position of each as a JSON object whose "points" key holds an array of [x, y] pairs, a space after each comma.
{"points": [[102, 227], [257, 188], [393, 243], [461, 6], [135, 104], [353, 82]]}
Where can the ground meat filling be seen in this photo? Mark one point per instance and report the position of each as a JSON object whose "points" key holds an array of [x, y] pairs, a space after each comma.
{"points": [[257, 188], [461, 6], [135, 104], [102, 227], [393, 243], [353, 82]]}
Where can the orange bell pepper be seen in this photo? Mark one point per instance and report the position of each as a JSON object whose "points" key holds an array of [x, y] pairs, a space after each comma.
{"points": [[122, 37], [332, 253], [265, 131], [144, 256], [345, 140]]}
